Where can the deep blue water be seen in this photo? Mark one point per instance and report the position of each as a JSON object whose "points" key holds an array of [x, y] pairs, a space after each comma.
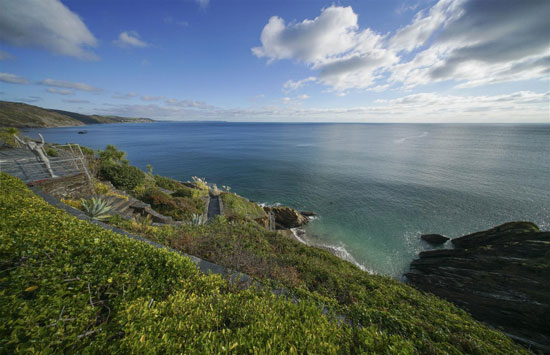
{"points": [[376, 187]]}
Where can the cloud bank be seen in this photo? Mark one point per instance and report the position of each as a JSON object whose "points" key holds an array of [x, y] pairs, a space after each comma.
{"points": [[470, 42]]}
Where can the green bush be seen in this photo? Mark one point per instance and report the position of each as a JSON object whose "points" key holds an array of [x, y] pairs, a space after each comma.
{"points": [[180, 208], [7, 136], [125, 177], [112, 156], [237, 207], [194, 194], [167, 183], [51, 152]]}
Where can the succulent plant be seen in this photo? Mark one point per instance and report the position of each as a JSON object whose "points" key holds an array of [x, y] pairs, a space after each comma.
{"points": [[96, 208], [197, 219], [143, 221]]}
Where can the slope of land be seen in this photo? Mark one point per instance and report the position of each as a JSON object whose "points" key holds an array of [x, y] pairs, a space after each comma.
{"points": [[71, 286], [20, 115]]}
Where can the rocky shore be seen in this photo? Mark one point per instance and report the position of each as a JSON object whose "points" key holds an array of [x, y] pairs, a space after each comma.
{"points": [[501, 276]]}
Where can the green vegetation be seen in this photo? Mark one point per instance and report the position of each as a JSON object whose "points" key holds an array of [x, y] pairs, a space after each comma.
{"points": [[7, 136], [96, 208], [16, 114], [52, 152], [125, 177], [70, 286], [179, 208], [398, 314], [236, 207]]}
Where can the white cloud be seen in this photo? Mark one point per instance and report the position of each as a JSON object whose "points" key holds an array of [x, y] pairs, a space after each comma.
{"points": [[47, 24], [5, 56], [128, 39], [292, 85], [12, 79], [332, 44], [69, 85], [422, 107], [203, 3], [126, 96], [151, 98], [302, 97], [467, 41], [76, 101], [60, 91], [30, 99], [188, 103]]}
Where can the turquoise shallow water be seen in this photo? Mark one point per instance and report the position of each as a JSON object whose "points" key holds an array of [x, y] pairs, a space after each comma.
{"points": [[376, 187]]}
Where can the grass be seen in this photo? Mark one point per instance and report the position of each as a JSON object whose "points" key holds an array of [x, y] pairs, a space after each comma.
{"points": [[237, 207]]}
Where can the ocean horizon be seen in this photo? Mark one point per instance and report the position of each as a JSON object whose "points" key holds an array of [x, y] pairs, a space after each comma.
{"points": [[376, 187]]}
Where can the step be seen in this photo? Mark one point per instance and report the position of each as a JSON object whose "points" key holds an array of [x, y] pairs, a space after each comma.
{"points": [[125, 206]]}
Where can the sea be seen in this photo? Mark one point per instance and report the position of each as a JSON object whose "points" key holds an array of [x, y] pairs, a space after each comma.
{"points": [[375, 187]]}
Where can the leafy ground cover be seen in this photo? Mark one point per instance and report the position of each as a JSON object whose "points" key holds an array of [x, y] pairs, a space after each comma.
{"points": [[407, 319], [70, 286], [237, 207]]}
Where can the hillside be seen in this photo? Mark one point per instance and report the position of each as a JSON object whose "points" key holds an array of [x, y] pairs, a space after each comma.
{"points": [[70, 286], [20, 115]]}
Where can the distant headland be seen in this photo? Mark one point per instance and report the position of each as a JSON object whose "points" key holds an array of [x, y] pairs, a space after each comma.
{"points": [[20, 115]]}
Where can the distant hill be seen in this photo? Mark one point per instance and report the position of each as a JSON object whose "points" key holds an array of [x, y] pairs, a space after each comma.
{"points": [[16, 114]]}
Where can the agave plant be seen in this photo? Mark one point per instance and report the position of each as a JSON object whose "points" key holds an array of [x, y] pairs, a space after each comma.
{"points": [[143, 221], [197, 219], [96, 208]]}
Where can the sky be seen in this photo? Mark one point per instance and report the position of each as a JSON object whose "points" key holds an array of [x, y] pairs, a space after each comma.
{"points": [[281, 61]]}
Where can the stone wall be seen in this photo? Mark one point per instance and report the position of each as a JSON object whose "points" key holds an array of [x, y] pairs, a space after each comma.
{"points": [[70, 187]]}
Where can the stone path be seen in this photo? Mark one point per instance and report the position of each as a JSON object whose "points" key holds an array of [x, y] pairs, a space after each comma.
{"points": [[214, 207]]}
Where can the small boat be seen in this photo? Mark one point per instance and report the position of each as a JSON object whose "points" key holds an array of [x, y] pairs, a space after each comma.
{"points": [[82, 132]]}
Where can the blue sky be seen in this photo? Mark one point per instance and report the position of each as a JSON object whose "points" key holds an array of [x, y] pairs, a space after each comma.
{"points": [[345, 61]]}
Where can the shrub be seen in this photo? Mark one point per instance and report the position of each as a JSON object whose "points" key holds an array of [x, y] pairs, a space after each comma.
{"points": [[112, 156], [236, 207], [167, 183], [96, 208], [52, 152], [124, 177], [7, 136], [73, 203], [194, 194], [100, 188], [180, 208]]}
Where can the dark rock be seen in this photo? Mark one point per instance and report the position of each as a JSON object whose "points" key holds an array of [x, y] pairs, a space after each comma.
{"points": [[501, 276], [308, 213], [286, 217], [434, 239]]}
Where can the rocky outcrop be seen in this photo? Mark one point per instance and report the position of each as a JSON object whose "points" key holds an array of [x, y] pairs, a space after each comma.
{"points": [[501, 276], [286, 217], [434, 239]]}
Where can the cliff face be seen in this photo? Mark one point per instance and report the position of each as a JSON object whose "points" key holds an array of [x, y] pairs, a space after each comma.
{"points": [[501, 276]]}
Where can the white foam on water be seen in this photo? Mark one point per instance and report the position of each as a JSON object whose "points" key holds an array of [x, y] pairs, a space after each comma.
{"points": [[340, 251], [265, 204]]}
